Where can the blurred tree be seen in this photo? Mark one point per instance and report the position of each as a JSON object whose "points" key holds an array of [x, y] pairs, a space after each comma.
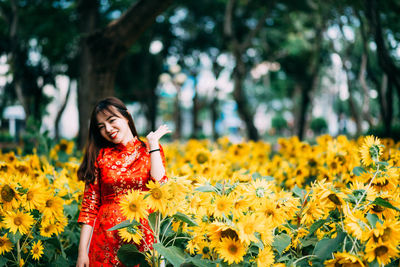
{"points": [[103, 48], [36, 52], [373, 13]]}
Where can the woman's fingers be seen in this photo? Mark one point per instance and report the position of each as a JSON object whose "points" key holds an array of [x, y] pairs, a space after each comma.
{"points": [[160, 132]]}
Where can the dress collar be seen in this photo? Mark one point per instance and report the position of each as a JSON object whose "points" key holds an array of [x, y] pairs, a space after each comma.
{"points": [[130, 146]]}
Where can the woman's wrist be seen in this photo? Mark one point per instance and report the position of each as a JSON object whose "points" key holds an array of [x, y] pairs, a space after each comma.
{"points": [[154, 145]]}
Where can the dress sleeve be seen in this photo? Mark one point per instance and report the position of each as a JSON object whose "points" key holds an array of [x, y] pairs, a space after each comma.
{"points": [[164, 179], [91, 200]]}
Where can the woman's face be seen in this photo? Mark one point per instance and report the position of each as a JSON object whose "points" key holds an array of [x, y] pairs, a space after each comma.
{"points": [[114, 128]]}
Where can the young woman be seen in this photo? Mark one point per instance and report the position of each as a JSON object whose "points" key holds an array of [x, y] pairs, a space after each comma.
{"points": [[115, 162]]}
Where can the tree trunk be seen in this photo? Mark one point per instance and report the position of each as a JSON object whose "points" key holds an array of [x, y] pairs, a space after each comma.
{"points": [[354, 109], [102, 50], [177, 114], [385, 60], [61, 111], [214, 115], [363, 71], [195, 112], [240, 98]]}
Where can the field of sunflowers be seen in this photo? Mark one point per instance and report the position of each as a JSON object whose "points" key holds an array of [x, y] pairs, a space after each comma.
{"points": [[332, 203]]}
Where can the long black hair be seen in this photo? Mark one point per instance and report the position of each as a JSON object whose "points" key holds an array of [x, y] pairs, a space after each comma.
{"points": [[96, 141]]}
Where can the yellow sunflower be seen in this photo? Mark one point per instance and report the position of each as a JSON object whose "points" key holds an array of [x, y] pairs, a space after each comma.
{"points": [[383, 252], [9, 196], [130, 233], [53, 208], [37, 250], [248, 225], [222, 205], [265, 257], [18, 221], [48, 229], [35, 198], [5, 244], [133, 206], [231, 250], [344, 259], [158, 197], [371, 150]]}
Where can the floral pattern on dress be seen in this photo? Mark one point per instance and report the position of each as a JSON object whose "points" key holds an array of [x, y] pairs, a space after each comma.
{"points": [[119, 169]]}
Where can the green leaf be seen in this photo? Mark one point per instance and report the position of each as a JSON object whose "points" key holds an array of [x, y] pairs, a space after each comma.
{"points": [[324, 248], [255, 176], [259, 244], [268, 178], [60, 261], [176, 256], [314, 227], [381, 202], [72, 209], [281, 242], [123, 225], [14, 237], [372, 219], [309, 241], [382, 163], [374, 263], [299, 192], [201, 262], [3, 261], [205, 188], [184, 218], [129, 255], [358, 170], [152, 220]]}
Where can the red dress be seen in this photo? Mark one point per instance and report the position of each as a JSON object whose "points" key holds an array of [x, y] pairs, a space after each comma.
{"points": [[118, 170]]}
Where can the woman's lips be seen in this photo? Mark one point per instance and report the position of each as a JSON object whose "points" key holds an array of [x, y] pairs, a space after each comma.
{"points": [[113, 135]]}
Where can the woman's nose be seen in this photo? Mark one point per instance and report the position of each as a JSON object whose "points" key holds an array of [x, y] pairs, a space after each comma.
{"points": [[108, 127]]}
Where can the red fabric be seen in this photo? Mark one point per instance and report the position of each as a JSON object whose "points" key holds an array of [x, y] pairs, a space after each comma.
{"points": [[118, 170]]}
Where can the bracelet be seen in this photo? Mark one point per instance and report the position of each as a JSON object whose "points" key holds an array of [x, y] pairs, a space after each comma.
{"points": [[154, 150]]}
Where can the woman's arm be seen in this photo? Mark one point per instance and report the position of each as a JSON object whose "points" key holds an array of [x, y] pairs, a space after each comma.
{"points": [[157, 170], [83, 258]]}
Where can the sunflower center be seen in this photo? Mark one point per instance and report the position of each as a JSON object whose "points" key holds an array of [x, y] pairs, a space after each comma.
{"points": [[233, 248], [49, 203], [378, 208], [205, 250], [7, 193], [380, 251], [63, 147], [35, 250], [248, 229], [333, 165], [229, 233], [133, 207], [156, 193], [17, 221], [269, 213], [334, 199], [2, 242], [201, 158], [29, 196], [221, 206]]}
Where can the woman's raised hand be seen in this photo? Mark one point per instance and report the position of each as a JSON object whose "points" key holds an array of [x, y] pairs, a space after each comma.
{"points": [[154, 137]]}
